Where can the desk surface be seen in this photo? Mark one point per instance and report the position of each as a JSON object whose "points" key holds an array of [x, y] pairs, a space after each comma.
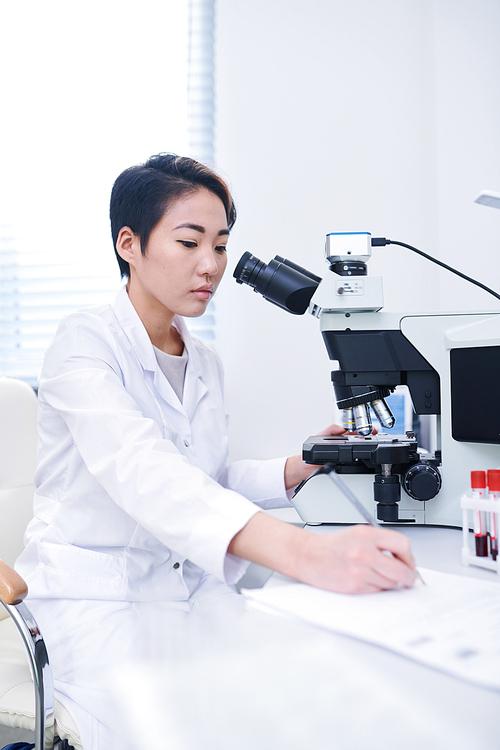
{"points": [[254, 681], [433, 547], [436, 548]]}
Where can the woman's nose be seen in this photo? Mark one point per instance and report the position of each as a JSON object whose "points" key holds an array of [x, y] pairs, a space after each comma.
{"points": [[208, 265]]}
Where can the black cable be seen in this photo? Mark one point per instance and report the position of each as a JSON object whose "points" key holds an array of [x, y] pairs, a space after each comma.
{"points": [[380, 241]]}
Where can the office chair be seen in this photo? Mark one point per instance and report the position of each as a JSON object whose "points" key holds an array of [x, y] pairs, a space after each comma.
{"points": [[26, 687]]}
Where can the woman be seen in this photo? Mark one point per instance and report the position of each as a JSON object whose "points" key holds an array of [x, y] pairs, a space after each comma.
{"points": [[134, 502]]}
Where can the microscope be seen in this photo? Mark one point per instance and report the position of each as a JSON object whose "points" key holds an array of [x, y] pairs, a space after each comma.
{"points": [[449, 362]]}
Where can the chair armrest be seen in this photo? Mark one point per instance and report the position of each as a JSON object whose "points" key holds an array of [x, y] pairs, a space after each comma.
{"points": [[12, 587], [36, 653]]}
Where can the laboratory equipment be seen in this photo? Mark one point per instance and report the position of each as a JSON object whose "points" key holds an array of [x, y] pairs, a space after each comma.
{"points": [[472, 506], [449, 361]]}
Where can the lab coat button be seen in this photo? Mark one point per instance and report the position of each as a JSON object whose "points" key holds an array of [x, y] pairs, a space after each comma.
{"points": [[186, 443], [176, 565]]}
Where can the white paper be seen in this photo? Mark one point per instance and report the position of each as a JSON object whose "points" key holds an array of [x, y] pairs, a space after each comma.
{"points": [[452, 623]]}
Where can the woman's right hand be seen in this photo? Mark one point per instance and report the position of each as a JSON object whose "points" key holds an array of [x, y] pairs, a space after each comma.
{"points": [[353, 560]]}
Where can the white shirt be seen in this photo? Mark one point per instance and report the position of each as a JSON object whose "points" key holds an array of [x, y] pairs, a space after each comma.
{"points": [[174, 369], [134, 500]]}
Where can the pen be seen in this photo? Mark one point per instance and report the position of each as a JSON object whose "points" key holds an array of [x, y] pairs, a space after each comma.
{"points": [[328, 469]]}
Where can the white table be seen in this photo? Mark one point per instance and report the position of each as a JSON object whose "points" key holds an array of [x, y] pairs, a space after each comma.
{"points": [[251, 681], [433, 547]]}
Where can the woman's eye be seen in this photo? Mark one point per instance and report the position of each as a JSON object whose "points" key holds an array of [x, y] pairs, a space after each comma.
{"points": [[221, 248], [188, 243]]}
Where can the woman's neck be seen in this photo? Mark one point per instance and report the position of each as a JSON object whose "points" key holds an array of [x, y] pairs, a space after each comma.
{"points": [[171, 343], [158, 324]]}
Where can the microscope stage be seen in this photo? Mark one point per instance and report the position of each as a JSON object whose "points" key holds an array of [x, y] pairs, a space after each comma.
{"points": [[360, 454]]}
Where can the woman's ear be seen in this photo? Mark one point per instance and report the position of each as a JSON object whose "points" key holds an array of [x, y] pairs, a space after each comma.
{"points": [[127, 245]]}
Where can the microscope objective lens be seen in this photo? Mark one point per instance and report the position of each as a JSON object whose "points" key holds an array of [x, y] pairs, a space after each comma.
{"points": [[348, 422], [362, 419], [383, 413]]}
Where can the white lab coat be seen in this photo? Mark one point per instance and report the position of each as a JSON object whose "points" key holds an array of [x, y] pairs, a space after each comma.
{"points": [[134, 501], [130, 482]]}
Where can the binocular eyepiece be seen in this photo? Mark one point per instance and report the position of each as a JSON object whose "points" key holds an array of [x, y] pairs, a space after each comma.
{"points": [[291, 287], [280, 281]]}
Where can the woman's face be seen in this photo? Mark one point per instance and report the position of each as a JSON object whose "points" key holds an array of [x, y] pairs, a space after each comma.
{"points": [[185, 258]]}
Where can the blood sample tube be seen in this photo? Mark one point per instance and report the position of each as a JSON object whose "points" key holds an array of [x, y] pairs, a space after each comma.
{"points": [[478, 486], [494, 493]]}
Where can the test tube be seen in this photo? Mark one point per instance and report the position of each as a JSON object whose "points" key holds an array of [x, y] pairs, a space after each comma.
{"points": [[494, 493], [478, 486]]}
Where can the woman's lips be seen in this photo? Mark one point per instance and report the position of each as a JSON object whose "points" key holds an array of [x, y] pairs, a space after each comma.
{"points": [[204, 292]]}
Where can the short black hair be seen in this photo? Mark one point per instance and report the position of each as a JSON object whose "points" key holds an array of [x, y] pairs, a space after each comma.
{"points": [[142, 194]]}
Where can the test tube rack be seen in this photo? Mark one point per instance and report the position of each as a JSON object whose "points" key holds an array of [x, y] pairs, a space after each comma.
{"points": [[488, 505]]}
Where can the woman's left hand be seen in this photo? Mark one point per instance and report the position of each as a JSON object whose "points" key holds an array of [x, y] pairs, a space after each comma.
{"points": [[296, 470]]}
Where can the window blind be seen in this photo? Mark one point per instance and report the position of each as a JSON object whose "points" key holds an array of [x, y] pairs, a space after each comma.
{"points": [[38, 288], [34, 298], [201, 114], [201, 100]]}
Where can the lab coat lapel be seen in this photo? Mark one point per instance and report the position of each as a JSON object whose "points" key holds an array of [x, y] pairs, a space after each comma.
{"points": [[165, 390], [134, 330], [194, 384]]}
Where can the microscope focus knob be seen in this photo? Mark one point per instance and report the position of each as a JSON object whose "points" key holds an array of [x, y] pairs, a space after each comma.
{"points": [[422, 482]]}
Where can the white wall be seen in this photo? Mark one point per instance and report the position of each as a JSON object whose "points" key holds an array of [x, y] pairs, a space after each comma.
{"points": [[468, 146], [371, 115]]}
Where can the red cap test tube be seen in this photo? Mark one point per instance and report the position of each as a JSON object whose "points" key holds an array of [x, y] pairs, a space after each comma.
{"points": [[478, 486], [494, 491]]}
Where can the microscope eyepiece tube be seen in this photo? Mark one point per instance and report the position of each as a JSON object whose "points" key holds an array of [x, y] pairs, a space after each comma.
{"points": [[281, 282], [248, 269], [298, 268]]}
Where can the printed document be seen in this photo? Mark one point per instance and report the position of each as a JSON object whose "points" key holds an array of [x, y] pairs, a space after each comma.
{"points": [[452, 623]]}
